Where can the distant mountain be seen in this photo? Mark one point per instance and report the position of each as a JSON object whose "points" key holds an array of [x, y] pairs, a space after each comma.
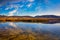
{"points": [[43, 16], [47, 16]]}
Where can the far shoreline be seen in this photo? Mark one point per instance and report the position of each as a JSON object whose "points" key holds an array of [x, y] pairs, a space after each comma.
{"points": [[29, 19]]}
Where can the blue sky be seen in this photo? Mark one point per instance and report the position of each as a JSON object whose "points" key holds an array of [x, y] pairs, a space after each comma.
{"points": [[29, 7]]}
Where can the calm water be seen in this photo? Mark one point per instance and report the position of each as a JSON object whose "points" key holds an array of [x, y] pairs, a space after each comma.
{"points": [[29, 31]]}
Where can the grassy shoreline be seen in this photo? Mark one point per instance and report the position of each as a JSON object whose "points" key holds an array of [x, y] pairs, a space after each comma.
{"points": [[28, 19]]}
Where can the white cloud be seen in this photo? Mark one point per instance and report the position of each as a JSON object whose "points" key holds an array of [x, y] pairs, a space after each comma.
{"points": [[11, 6], [57, 13], [30, 0], [11, 13], [50, 12], [7, 8], [29, 5]]}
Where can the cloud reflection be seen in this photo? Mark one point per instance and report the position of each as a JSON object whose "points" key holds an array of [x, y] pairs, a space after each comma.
{"points": [[13, 24]]}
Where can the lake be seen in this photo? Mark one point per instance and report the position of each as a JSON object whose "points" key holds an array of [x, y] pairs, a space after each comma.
{"points": [[29, 31]]}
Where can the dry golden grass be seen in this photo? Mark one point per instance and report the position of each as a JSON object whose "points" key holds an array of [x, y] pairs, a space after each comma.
{"points": [[26, 19]]}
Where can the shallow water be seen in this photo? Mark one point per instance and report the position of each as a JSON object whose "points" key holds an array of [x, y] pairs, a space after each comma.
{"points": [[29, 31]]}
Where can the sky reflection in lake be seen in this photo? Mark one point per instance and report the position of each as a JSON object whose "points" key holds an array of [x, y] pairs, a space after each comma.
{"points": [[27, 26], [38, 28]]}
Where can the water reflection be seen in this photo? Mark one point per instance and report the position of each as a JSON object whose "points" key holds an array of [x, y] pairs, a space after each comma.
{"points": [[12, 24], [29, 31]]}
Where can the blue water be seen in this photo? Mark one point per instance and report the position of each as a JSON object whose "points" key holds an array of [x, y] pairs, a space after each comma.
{"points": [[40, 27]]}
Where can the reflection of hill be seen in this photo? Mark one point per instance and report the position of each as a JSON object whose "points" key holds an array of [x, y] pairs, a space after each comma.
{"points": [[20, 34]]}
